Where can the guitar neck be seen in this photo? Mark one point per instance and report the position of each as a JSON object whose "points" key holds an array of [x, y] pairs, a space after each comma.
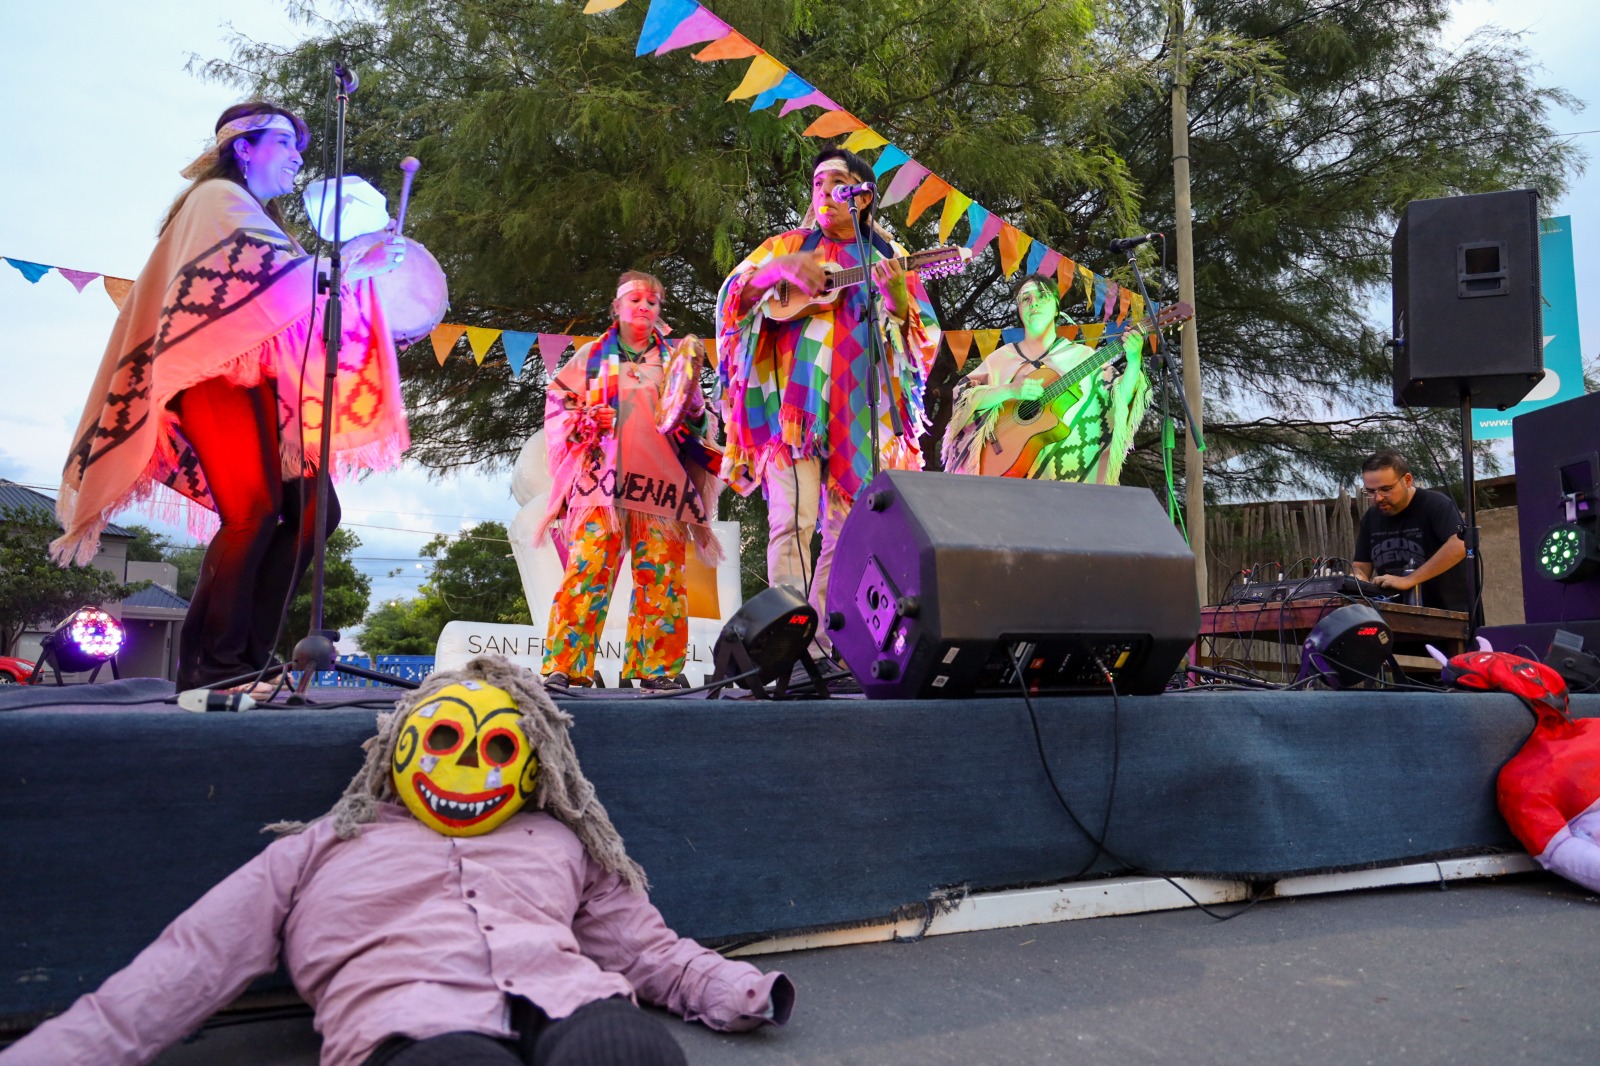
{"points": [[843, 279], [1098, 358]]}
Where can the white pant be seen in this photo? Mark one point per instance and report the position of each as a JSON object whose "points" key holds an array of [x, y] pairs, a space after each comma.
{"points": [[794, 496]]}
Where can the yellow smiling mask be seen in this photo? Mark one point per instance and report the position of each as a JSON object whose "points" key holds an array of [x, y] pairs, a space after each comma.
{"points": [[462, 764]]}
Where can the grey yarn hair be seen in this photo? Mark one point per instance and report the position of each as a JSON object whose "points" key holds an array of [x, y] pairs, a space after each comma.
{"points": [[561, 790]]}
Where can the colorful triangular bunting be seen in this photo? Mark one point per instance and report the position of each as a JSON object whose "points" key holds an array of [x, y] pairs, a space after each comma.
{"points": [[960, 341], [32, 271], [698, 28], [517, 344], [904, 183], [117, 289], [551, 345], [444, 338], [928, 193], [79, 278], [762, 74], [479, 339], [955, 205]]}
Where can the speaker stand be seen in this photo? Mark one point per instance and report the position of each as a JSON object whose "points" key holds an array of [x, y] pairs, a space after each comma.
{"points": [[1469, 512]]}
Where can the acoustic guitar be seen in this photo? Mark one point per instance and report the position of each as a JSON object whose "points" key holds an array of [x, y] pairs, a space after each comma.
{"points": [[785, 301], [1024, 428]]}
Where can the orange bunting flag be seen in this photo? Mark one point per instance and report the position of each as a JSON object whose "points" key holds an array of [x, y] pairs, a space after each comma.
{"points": [[1066, 270], [734, 46], [960, 341], [1070, 332], [1013, 243], [444, 338], [987, 340], [581, 341], [864, 140], [928, 193], [832, 124], [955, 205], [117, 289], [763, 73], [479, 338], [1124, 305]]}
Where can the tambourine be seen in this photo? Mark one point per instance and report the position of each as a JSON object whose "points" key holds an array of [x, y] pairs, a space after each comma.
{"points": [[415, 294], [680, 395]]}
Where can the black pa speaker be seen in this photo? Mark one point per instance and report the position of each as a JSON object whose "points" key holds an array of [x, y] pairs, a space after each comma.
{"points": [[957, 585], [1467, 314]]}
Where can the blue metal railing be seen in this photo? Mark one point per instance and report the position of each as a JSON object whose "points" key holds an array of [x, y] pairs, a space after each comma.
{"points": [[405, 667]]}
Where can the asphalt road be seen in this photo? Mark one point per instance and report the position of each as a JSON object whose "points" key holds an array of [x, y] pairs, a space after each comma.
{"points": [[1483, 972]]}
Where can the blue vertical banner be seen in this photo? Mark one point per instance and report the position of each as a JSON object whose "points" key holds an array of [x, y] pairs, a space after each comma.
{"points": [[1563, 354]]}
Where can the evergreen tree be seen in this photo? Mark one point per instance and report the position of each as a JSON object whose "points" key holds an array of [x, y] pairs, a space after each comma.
{"points": [[1296, 195], [553, 158]]}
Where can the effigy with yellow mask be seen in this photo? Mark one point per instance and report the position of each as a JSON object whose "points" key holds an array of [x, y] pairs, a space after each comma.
{"points": [[461, 762]]}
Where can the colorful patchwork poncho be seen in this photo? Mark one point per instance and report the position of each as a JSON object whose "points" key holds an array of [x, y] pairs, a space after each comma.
{"points": [[799, 389], [630, 472], [1101, 427], [226, 293]]}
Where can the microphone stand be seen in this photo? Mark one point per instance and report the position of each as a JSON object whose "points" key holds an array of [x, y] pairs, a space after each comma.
{"points": [[1170, 379], [315, 651], [864, 253]]}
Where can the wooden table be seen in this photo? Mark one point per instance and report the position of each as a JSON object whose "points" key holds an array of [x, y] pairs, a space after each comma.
{"points": [[1289, 621]]}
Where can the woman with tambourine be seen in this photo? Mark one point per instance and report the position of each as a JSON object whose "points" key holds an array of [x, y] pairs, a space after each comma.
{"points": [[627, 428], [211, 385]]}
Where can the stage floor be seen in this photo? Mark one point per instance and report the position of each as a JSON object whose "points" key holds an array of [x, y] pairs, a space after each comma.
{"points": [[1499, 972], [757, 820]]}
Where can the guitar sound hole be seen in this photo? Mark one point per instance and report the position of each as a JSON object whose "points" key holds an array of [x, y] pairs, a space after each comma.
{"points": [[1028, 410]]}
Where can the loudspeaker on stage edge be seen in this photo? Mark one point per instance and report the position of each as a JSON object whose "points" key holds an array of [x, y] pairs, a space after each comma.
{"points": [[953, 585], [1467, 311]]}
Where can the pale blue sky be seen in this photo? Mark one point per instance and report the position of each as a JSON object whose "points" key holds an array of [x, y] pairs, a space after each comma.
{"points": [[102, 114]]}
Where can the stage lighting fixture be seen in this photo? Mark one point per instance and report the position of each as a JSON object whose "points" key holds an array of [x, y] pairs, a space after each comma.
{"points": [[85, 640], [1569, 551], [769, 633], [1346, 648]]}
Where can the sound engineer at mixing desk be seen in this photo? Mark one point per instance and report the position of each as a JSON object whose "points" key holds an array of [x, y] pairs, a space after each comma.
{"points": [[1410, 538]]}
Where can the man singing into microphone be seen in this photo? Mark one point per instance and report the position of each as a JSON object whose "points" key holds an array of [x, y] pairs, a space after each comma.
{"points": [[1083, 434], [796, 397]]}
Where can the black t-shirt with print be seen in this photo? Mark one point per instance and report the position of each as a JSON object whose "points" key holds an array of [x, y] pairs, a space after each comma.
{"points": [[1394, 544]]}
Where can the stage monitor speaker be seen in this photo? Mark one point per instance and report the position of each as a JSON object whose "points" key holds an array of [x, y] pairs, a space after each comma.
{"points": [[1557, 459], [1467, 311], [956, 585]]}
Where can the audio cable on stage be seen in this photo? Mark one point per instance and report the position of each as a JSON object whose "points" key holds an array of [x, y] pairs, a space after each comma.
{"points": [[1099, 842]]}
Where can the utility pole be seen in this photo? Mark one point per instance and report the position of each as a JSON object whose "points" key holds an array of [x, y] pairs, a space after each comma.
{"points": [[1194, 482]]}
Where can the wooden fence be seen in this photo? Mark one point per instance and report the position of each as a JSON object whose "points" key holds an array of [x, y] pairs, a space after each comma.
{"points": [[1288, 536]]}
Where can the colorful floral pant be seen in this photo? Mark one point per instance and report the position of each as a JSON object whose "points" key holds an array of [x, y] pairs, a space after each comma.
{"points": [[658, 625]]}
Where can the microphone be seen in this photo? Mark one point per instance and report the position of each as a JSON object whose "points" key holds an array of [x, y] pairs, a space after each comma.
{"points": [[1126, 244], [843, 194], [349, 80]]}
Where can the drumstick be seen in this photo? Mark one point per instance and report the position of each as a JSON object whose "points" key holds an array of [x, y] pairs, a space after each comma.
{"points": [[409, 164]]}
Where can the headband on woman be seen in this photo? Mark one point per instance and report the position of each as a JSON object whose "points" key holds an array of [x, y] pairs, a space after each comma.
{"points": [[259, 122], [638, 283]]}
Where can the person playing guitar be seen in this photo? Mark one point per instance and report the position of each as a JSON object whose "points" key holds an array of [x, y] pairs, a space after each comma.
{"points": [[1021, 414], [794, 370]]}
